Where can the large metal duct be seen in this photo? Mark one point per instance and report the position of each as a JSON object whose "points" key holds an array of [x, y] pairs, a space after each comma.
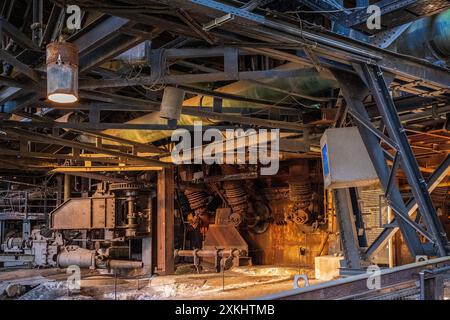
{"points": [[427, 38], [310, 83]]}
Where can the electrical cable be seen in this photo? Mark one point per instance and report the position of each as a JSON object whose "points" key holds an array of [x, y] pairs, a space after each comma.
{"points": [[325, 11]]}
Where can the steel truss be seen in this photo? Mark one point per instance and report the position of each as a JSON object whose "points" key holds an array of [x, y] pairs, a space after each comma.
{"points": [[354, 90], [322, 50]]}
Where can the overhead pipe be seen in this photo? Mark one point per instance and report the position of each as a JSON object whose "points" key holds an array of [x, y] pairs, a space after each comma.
{"points": [[427, 38], [430, 33], [310, 83]]}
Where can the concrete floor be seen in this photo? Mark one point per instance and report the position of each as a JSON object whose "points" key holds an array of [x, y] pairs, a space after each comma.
{"points": [[239, 283]]}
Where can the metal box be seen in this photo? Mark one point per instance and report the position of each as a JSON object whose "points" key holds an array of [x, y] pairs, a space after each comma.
{"points": [[85, 214], [345, 160]]}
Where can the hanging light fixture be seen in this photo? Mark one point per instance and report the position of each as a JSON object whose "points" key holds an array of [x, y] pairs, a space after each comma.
{"points": [[62, 72]]}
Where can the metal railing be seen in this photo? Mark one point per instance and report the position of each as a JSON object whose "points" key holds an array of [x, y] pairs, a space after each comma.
{"points": [[25, 204]]}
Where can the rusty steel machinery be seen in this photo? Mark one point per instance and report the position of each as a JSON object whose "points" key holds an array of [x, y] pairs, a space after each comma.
{"points": [[92, 259], [14, 244], [104, 223], [237, 200], [300, 194], [259, 218], [131, 192], [113, 208], [39, 249], [198, 201], [223, 259]]}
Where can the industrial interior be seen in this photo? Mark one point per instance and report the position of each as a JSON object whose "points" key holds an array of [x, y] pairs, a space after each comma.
{"points": [[91, 93]]}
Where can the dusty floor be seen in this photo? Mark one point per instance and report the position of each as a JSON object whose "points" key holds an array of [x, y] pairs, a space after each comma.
{"points": [[239, 283]]}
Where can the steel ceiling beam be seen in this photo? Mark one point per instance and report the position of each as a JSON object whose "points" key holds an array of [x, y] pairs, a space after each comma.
{"points": [[96, 126], [154, 106], [189, 78], [67, 169], [19, 37], [33, 136], [102, 158], [136, 145], [97, 34], [96, 176], [330, 9], [19, 66], [324, 44], [395, 13]]}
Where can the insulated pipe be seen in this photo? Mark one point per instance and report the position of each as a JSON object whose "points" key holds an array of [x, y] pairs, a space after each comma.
{"points": [[311, 83], [14, 242], [125, 264], [77, 256], [208, 253], [427, 38]]}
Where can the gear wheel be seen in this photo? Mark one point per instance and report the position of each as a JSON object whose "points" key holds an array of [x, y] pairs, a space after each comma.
{"points": [[126, 186]]}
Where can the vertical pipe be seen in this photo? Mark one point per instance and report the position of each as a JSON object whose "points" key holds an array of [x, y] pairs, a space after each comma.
{"points": [[347, 229], [66, 187], [147, 240], [2, 231], [59, 190], [131, 214], [26, 229], [38, 20], [330, 210], [391, 249], [165, 222]]}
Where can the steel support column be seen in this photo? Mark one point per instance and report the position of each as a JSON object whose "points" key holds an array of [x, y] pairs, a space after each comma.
{"points": [[2, 231], [347, 228], [147, 241], [359, 223], [354, 90], [165, 222], [438, 175], [147, 254], [380, 91]]}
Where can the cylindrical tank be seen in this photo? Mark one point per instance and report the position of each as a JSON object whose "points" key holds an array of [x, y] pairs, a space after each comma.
{"points": [[77, 256], [62, 72], [14, 243], [427, 38], [172, 103], [125, 264]]}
